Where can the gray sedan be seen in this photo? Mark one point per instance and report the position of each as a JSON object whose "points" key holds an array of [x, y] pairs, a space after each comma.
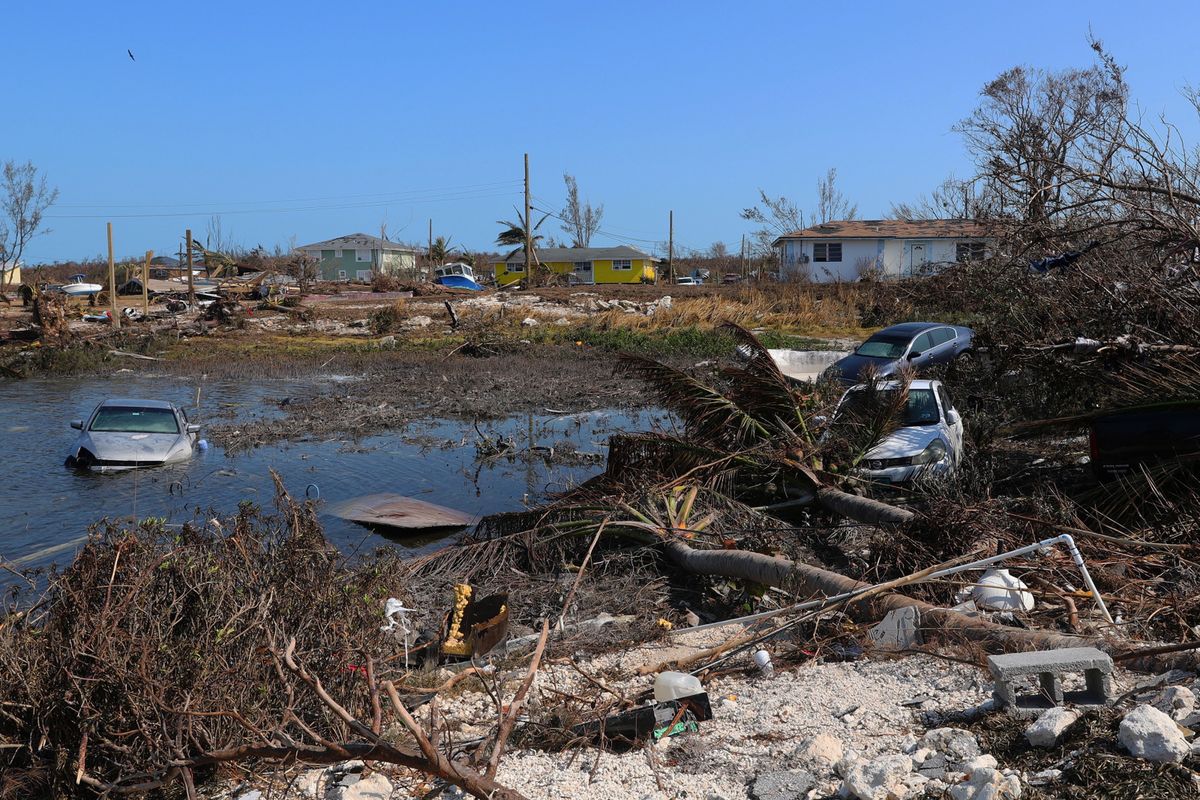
{"points": [[125, 434], [920, 344]]}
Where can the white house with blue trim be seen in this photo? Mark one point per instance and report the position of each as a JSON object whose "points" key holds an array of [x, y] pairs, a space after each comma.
{"points": [[847, 250]]}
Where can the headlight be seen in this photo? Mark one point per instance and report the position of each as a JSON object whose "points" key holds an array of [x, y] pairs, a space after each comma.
{"points": [[932, 454]]}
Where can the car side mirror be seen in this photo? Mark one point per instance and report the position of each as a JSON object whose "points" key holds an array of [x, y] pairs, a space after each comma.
{"points": [[914, 355], [952, 417], [77, 424], [193, 428]]}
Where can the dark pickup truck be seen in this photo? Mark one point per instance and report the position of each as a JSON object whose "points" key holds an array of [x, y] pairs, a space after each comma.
{"points": [[1121, 440]]}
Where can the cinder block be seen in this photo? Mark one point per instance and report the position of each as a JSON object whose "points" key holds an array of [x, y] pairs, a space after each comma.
{"points": [[1049, 666]]}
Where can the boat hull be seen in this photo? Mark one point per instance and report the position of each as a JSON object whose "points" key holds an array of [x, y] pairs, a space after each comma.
{"points": [[458, 282]]}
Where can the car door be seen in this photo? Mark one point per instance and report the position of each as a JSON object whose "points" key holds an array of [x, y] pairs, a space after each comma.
{"points": [[952, 422], [919, 354], [942, 351]]}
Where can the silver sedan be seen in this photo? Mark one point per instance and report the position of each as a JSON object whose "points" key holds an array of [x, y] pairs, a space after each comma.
{"points": [[126, 434]]}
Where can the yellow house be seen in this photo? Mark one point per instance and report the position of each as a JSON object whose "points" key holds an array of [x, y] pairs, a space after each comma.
{"points": [[587, 265]]}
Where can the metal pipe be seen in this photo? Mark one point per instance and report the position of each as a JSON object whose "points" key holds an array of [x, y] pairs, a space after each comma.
{"points": [[982, 563]]}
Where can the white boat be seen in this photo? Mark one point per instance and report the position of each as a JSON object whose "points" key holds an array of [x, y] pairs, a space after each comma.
{"points": [[80, 289]]}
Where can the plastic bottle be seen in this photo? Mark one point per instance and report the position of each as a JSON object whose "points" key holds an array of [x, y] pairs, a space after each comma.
{"points": [[763, 659], [674, 685], [202, 445]]}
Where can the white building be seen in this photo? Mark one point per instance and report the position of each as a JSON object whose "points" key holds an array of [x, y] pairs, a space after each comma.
{"points": [[892, 248]]}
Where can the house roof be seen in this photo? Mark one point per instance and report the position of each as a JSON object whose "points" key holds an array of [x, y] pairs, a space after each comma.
{"points": [[560, 254], [893, 229], [354, 241]]}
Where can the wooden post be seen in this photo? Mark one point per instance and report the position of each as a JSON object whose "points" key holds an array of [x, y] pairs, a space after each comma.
{"points": [[671, 247], [191, 285], [745, 272], [146, 284], [528, 230], [114, 313], [429, 252]]}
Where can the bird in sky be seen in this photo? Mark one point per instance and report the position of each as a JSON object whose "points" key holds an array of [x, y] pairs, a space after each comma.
{"points": [[131, 58]]}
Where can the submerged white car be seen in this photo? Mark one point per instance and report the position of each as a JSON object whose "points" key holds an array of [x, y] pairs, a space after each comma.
{"points": [[929, 441], [126, 434]]}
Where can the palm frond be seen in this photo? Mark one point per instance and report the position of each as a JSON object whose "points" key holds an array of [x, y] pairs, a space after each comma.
{"points": [[761, 386], [711, 417]]}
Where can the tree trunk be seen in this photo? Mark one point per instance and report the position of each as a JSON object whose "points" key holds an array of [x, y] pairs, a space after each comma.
{"points": [[862, 509], [807, 581]]}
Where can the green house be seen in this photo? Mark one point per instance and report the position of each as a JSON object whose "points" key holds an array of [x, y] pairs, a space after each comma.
{"points": [[359, 256]]}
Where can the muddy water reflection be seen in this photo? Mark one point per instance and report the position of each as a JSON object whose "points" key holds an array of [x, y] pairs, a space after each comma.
{"points": [[45, 508]]}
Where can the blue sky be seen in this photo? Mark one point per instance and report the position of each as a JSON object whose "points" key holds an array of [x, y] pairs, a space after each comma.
{"points": [[312, 120]]}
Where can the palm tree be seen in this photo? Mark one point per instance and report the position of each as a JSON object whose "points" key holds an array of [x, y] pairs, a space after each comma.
{"points": [[753, 438], [440, 251], [513, 236]]}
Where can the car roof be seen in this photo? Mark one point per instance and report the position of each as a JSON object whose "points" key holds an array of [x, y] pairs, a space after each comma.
{"points": [[923, 383], [133, 401], [913, 327]]}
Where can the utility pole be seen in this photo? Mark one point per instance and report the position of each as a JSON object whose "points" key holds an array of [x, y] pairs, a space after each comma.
{"points": [[671, 247], [528, 230], [112, 284], [745, 273], [191, 286], [429, 253], [146, 284]]}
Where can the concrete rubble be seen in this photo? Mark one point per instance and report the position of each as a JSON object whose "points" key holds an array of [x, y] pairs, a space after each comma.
{"points": [[1150, 734], [1046, 729]]}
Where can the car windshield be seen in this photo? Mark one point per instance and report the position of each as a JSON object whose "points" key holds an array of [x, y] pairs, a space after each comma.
{"points": [[883, 347], [135, 419], [920, 409]]}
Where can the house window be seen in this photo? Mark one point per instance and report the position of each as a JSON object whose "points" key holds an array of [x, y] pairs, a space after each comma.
{"points": [[970, 251], [362, 256], [514, 267], [337, 254], [583, 266], [622, 264], [827, 251]]}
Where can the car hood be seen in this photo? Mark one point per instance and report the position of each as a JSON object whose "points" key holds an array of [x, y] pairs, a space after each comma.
{"points": [[148, 447], [905, 442], [850, 368]]}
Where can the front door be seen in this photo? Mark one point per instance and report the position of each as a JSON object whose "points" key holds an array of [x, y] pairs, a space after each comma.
{"points": [[916, 258]]}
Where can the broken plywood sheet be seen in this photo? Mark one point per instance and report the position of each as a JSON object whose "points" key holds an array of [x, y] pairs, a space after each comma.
{"points": [[400, 512]]}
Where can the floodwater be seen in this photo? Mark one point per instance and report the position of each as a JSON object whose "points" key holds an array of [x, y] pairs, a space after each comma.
{"points": [[46, 509]]}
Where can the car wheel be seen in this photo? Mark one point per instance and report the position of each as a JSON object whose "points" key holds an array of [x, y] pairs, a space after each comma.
{"points": [[71, 463]]}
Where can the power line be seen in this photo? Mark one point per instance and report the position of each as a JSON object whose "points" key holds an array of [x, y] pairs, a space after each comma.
{"points": [[327, 207], [400, 193]]}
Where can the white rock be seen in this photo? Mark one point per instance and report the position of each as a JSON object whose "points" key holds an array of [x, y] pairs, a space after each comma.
{"points": [[921, 754], [1148, 733], [1045, 730], [312, 783], [823, 750], [984, 761], [419, 321], [988, 784], [880, 779], [847, 762], [529, 322], [664, 301], [1177, 702], [373, 787], [957, 744]]}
